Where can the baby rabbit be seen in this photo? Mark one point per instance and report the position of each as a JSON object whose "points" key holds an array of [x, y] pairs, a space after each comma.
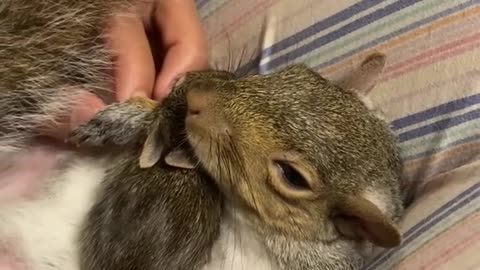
{"points": [[310, 174]]}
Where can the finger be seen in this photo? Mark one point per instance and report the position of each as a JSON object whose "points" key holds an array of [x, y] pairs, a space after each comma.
{"points": [[184, 40], [84, 110], [177, 62], [134, 65], [85, 107], [178, 21]]}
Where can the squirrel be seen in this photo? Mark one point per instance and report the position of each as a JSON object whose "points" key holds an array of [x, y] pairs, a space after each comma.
{"points": [[305, 164]]}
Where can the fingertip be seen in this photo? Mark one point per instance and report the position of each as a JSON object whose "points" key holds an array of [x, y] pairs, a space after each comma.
{"points": [[142, 94], [185, 38], [84, 110], [134, 65], [179, 60], [80, 112], [163, 87]]}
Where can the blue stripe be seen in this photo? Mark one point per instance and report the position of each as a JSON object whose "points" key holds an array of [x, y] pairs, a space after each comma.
{"points": [[320, 26], [201, 3], [398, 32], [251, 66], [435, 151], [445, 108], [436, 217], [355, 25], [439, 125]]}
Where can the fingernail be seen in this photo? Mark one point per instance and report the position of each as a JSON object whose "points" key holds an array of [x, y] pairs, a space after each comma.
{"points": [[177, 80], [170, 87], [83, 113], [138, 94], [161, 92]]}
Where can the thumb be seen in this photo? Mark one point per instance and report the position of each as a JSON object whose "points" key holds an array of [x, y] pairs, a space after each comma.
{"points": [[78, 113], [177, 62]]}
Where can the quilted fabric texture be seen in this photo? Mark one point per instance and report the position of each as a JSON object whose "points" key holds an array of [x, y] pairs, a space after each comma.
{"points": [[430, 91]]}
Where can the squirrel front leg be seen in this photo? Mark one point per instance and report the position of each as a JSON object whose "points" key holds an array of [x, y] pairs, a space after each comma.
{"points": [[119, 124]]}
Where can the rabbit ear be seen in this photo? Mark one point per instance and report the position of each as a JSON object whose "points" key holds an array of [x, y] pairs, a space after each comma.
{"points": [[365, 77], [180, 159], [359, 218], [152, 148]]}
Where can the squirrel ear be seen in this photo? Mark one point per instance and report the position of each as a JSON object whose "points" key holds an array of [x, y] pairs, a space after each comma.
{"points": [[152, 149], [364, 77], [180, 159], [357, 217]]}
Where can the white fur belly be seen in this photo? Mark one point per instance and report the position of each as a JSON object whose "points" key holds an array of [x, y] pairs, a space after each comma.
{"points": [[239, 248], [44, 231]]}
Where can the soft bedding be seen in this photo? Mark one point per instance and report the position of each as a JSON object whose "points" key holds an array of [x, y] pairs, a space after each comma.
{"points": [[430, 92]]}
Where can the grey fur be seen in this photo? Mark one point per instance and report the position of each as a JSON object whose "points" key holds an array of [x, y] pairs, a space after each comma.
{"points": [[155, 218], [296, 109], [49, 50], [159, 217], [118, 124]]}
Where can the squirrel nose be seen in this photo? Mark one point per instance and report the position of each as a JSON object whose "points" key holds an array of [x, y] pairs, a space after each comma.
{"points": [[198, 101]]}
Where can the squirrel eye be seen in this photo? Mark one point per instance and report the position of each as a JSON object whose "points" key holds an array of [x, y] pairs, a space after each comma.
{"points": [[292, 177]]}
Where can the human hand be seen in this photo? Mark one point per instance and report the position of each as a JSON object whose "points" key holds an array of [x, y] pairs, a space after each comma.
{"points": [[178, 44], [181, 41], [155, 43]]}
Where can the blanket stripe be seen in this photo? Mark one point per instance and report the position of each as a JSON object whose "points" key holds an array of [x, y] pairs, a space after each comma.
{"points": [[465, 199]]}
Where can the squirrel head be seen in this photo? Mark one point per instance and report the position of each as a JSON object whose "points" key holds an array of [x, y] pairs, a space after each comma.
{"points": [[303, 157]]}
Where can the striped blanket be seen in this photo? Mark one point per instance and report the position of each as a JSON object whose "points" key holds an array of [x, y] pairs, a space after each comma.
{"points": [[430, 92]]}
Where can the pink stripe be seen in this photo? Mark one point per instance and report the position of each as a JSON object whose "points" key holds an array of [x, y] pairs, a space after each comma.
{"points": [[421, 43], [254, 38], [420, 254], [436, 56], [429, 53], [452, 252], [474, 266], [429, 89], [262, 5], [431, 166], [428, 39]]}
